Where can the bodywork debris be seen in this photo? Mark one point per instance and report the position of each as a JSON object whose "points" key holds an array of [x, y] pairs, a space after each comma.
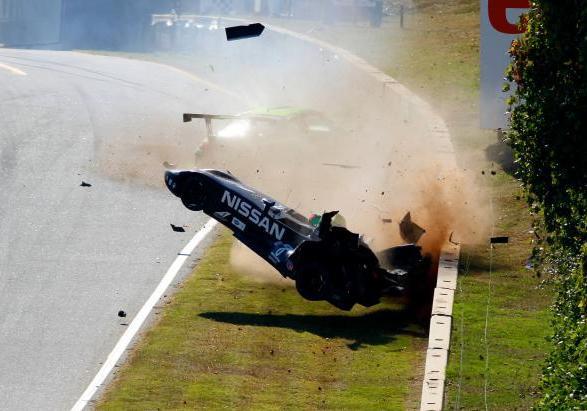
{"points": [[410, 231], [244, 32], [177, 229], [339, 165]]}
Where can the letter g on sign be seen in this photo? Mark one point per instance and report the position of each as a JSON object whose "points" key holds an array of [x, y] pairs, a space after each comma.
{"points": [[498, 14]]}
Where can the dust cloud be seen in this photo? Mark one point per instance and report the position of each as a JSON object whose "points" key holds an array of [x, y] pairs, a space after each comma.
{"points": [[250, 265], [379, 161]]}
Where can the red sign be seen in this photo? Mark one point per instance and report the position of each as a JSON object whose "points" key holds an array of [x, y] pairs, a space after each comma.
{"points": [[498, 14]]}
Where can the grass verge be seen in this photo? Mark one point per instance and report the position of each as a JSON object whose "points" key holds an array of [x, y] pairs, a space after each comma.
{"points": [[225, 341], [500, 318]]}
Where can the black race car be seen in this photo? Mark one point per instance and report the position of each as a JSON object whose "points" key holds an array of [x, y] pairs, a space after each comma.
{"points": [[326, 262]]}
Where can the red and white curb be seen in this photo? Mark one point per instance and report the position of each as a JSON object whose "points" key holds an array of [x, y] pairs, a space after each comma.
{"points": [[440, 329]]}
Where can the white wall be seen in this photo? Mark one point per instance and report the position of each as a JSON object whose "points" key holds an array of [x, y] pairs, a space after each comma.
{"points": [[494, 61]]}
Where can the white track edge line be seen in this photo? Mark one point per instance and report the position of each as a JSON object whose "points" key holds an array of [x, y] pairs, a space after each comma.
{"points": [[141, 316]]}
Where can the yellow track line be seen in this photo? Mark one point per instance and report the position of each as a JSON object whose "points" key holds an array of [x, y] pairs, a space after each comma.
{"points": [[13, 70]]}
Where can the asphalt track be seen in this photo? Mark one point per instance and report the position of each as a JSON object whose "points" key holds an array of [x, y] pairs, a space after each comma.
{"points": [[71, 257]]}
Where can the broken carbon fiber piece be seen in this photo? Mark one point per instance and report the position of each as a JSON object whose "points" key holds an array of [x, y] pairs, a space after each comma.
{"points": [[244, 32]]}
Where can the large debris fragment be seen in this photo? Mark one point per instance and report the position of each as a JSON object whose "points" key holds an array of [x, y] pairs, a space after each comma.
{"points": [[410, 231]]}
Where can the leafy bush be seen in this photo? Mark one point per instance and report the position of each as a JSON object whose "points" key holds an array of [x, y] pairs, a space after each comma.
{"points": [[564, 381], [549, 140], [549, 119]]}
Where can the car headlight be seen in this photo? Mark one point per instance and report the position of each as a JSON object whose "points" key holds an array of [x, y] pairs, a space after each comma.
{"points": [[236, 129]]}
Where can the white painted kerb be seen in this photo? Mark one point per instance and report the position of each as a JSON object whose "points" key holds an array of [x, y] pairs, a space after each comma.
{"points": [[440, 329], [142, 315]]}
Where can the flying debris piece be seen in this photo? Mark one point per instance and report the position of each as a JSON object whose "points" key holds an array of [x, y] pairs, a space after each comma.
{"points": [[410, 231], [121, 314], [386, 220], [244, 32], [499, 240], [327, 261], [339, 165], [168, 165], [84, 184], [177, 229], [450, 240]]}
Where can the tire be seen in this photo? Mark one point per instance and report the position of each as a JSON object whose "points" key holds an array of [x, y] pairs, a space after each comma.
{"points": [[311, 281], [314, 283]]}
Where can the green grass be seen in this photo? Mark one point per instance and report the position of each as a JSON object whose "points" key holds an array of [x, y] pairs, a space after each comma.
{"points": [[517, 317], [225, 341]]}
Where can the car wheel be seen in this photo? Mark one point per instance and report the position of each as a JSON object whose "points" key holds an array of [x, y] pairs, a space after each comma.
{"points": [[311, 281]]}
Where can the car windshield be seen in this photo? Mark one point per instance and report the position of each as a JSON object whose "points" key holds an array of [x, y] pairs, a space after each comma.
{"points": [[296, 226], [297, 222]]}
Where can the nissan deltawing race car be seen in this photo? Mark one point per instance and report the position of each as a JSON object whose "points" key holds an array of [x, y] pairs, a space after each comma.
{"points": [[327, 262]]}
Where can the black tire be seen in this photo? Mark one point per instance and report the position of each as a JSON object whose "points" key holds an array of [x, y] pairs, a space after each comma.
{"points": [[311, 281], [313, 284]]}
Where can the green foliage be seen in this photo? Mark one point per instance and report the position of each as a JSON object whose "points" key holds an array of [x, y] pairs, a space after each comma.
{"points": [[549, 116], [549, 139], [564, 380]]}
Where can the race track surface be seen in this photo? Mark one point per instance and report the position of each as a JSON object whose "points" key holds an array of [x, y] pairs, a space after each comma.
{"points": [[71, 257]]}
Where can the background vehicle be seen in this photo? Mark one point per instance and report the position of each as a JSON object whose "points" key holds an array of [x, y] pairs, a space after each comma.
{"points": [[260, 122]]}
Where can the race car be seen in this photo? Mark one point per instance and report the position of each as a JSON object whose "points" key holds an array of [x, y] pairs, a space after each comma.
{"points": [[260, 121], [327, 262]]}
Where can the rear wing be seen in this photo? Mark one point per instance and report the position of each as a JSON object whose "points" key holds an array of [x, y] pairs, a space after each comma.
{"points": [[187, 118]]}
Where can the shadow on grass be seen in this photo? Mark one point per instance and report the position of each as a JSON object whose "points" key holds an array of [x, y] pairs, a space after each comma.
{"points": [[375, 328], [501, 154], [478, 258]]}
